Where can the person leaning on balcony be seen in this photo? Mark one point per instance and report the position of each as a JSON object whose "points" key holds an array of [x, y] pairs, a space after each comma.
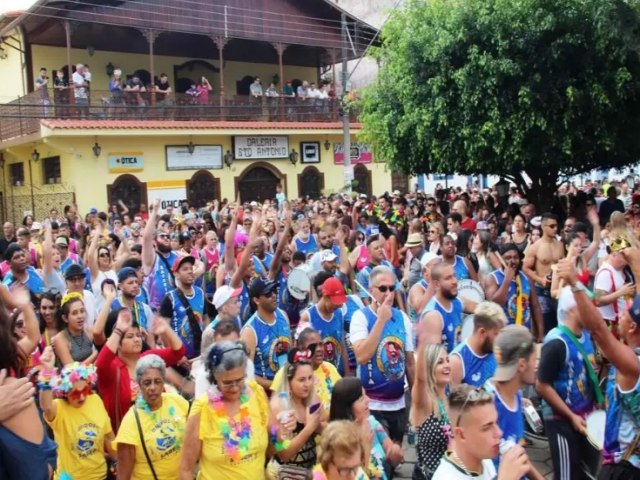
{"points": [[60, 93], [256, 88], [163, 90], [80, 91]]}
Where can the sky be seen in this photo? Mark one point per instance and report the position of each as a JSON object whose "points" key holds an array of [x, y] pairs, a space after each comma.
{"points": [[14, 5]]}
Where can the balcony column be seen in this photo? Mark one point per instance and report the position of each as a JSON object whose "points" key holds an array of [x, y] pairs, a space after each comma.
{"points": [[151, 36], [221, 42], [280, 49], [69, 27]]}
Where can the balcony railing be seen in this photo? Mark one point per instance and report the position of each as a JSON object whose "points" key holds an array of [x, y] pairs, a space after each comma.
{"points": [[22, 116]]}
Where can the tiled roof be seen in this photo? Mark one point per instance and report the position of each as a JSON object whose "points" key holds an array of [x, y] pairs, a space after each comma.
{"points": [[190, 125]]}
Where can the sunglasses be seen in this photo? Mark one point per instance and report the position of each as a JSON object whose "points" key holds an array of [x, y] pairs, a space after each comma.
{"points": [[555, 225], [164, 236], [269, 294], [386, 288], [77, 394]]}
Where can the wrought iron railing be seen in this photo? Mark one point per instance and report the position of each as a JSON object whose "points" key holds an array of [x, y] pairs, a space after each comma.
{"points": [[22, 116]]}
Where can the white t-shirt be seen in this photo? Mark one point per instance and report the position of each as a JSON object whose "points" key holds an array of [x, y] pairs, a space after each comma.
{"points": [[449, 471], [605, 274], [359, 331]]}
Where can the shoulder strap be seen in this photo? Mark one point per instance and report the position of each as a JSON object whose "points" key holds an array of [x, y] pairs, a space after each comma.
{"points": [[193, 323], [144, 446], [593, 378], [166, 264], [118, 418]]}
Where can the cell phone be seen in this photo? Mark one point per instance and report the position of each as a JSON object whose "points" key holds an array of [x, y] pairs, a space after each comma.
{"points": [[314, 408]]}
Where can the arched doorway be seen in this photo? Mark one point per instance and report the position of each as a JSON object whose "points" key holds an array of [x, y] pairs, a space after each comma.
{"points": [[202, 187], [362, 176], [130, 190], [258, 182], [310, 183]]}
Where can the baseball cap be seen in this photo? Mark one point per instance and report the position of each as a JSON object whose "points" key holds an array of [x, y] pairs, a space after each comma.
{"points": [[224, 294], [566, 302], [261, 287], [413, 240], [180, 260], [125, 273], [62, 241], [512, 343], [184, 236], [634, 309], [333, 289], [74, 270], [327, 256], [93, 210], [427, 258]]}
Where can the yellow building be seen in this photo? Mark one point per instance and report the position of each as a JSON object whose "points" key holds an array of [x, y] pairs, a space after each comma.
{"points": [[133, 145]]}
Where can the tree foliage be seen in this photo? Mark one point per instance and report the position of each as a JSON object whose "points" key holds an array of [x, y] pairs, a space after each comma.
{"points": [[546, 87]]}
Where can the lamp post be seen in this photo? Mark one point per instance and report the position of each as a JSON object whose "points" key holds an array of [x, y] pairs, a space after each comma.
{"points": [[35, 156], [293, 157], [228, 158]]}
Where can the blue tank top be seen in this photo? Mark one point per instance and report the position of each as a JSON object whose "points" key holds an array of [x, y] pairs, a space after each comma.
{"points": [[180, 320], [364, 276], [137, 312], [623, 420], [383, 375], [332, 334], [143, 296], [309, 247], [451, 321], [160, 281], [34, 283], [352, 305], [460, 269], [261, 266], [70, 260], [291, 306], [511, 305], [20, 458], [476, 370], [272, 344], [413, 315], [572, 384], [511, 422]]}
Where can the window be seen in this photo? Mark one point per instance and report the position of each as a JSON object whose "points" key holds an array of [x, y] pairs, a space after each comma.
{"points": [[51, 170], [17, 174]]}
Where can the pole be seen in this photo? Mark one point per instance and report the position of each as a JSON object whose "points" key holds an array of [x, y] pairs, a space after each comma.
{"points": [[346, 134], [33, 202]]}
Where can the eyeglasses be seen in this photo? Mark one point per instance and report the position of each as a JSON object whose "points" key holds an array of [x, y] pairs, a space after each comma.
{"points": [[386, 288], [233, 383], [475, 395], [164, 236]]}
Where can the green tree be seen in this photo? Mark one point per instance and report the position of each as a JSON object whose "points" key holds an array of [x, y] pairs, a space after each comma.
{"points": [[550, 88]]}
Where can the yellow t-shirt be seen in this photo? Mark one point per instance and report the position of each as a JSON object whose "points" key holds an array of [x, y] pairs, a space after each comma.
{"points": [[163, 432], [326, 377], [80, 435], [214, 463]]}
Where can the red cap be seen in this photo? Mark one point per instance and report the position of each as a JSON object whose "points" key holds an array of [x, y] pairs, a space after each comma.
{"points": [[333, 289], [180, 260]]}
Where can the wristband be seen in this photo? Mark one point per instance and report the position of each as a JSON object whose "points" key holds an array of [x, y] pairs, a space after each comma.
{"points": [[44, 378], [118, 331]]}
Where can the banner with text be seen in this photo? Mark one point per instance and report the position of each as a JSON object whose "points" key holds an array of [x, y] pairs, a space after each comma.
{"points": [[203, 156], [170, 192], [125, 162], [260, 147], [360, 153]]}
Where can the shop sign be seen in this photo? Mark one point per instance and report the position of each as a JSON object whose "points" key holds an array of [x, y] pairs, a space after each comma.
{"points": [[125, 162], [263, 147], [360, 153]]}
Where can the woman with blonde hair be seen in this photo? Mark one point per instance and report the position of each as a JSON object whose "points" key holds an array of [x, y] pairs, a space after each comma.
{"points": [[341, 453], [429, 409], [435, 234]]}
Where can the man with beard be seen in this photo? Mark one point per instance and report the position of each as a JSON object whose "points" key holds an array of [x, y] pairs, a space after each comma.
{"points": [[129, 287], [327, 317], [538, 260], [461, 266], [441, 320], [375, 247], [511, 288], [183, 307], [304, 241], [569, 387], [326, 243], [472, 362], [157, 262], [270, 325]]}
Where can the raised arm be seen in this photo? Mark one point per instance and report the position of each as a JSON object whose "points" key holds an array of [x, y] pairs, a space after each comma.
{"points": [[245, 260], [47, 360], [92, 252], [148, 252], [109, 293], [47, 251], [229, 239], [283, 241], [341, 235], [32, 328], [592, 249]]}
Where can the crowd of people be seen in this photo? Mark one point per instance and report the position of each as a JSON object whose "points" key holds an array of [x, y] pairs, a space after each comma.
{"points": [[127, 94], [294, 339]]}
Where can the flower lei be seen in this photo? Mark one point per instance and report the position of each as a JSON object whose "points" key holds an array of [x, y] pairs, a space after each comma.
{"points": [[178, 422], [62, 384], [325, 393], [234, 449]]}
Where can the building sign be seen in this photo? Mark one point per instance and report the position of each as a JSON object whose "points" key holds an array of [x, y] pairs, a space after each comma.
{"points": [[360, 153], [203, 156], [125, 162], [170, 192], [261, 147]]}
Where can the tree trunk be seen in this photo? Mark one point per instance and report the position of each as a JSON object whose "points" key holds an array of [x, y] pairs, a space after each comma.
{"points": [[542, 189]]}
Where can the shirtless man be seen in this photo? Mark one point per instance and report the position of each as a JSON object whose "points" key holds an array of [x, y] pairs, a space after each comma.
{"points": [[538, 262]]}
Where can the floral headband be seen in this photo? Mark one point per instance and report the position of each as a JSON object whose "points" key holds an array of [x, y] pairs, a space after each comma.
{"points": [[70, 296], [216, 353], [62, 383]]}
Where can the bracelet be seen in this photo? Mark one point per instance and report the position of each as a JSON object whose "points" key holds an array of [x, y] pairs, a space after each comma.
{"points": [[118, 331], [44, 378], [280, 446]]}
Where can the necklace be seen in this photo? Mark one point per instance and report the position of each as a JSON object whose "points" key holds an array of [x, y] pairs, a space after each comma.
{"points": [[454, 456], [235, 434], [78, 340]]}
